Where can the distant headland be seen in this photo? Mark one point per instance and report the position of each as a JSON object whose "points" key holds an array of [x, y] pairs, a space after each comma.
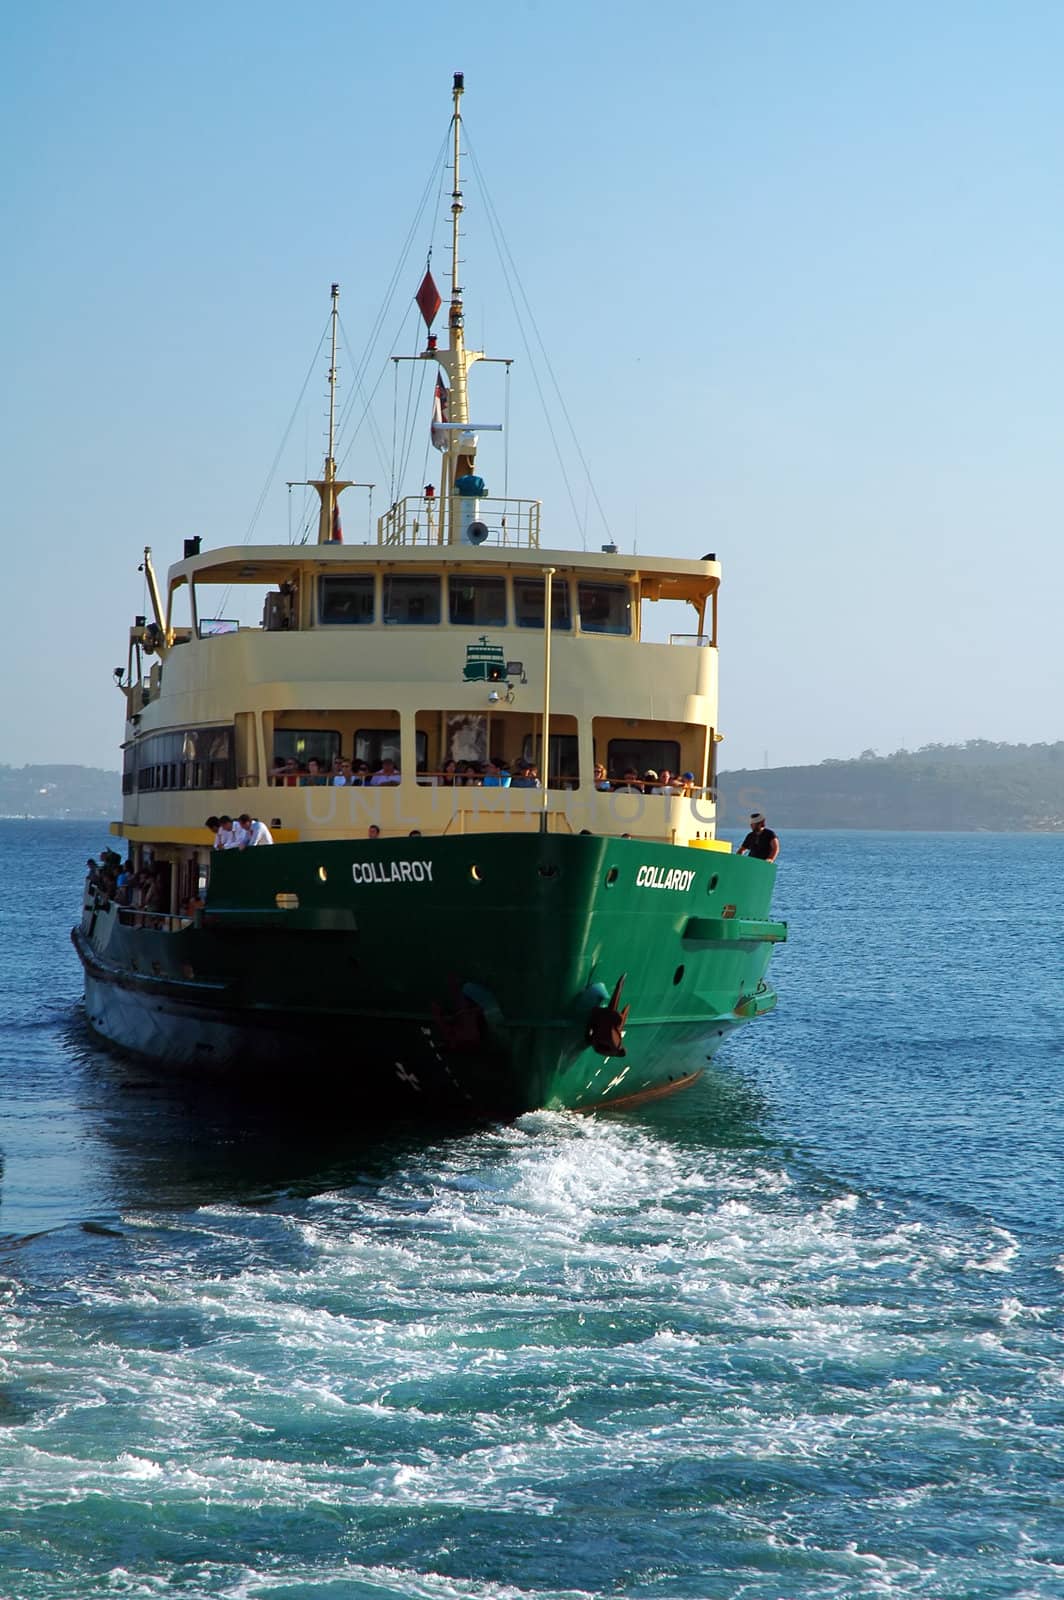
{"points": [[85, 794], [974, 787], [963, 788]]}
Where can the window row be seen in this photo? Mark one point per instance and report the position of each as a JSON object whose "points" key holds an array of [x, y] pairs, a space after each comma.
{"points": [[190, 758], [472, 601], [204, 758], [318, 755]]}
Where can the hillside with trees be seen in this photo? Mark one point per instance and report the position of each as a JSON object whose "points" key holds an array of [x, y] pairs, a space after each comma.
{"points": [[60, 792], [975, 786]]}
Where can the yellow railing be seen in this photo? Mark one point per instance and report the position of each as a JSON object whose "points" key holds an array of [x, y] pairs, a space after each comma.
{"points": [[418, 520]]}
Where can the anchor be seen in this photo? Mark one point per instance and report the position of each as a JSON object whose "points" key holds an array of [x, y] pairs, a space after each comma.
{"points": [[463, 1028], [605, 1030]]}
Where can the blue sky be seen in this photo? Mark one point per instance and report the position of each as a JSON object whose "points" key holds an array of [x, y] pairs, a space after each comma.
{"points": [[797, 269]]}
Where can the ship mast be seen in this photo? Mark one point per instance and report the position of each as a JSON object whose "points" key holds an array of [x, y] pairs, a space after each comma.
{"points": [[459, 409], [462, 444], [460, 486], [329, 486]]}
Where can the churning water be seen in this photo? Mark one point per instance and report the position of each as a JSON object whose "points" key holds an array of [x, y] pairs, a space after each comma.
{"points": [[794, 1333]]}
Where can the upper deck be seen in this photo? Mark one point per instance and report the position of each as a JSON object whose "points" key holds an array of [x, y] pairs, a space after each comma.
{"points": [[650, 578], [424, 653]]}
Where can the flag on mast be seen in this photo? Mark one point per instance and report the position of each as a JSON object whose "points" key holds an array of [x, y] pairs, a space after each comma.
{"points": [[439, 413], [337, 525]]}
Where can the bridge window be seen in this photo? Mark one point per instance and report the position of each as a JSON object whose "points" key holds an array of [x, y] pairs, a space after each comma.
{"points": [[409, 599], [478, 602], [605, 607], [528, 603], [346, 598]]}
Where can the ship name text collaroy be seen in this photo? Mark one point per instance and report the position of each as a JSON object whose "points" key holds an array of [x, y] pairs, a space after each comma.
{"points": [[680, 878], [391, 871]]}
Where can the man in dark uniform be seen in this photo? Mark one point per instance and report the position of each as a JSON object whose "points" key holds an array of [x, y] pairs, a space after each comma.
{"points": [[760, 842]]}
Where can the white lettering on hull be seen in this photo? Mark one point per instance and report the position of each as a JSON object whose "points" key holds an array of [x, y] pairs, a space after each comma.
{"points": [[677, 878], [391, 871]]}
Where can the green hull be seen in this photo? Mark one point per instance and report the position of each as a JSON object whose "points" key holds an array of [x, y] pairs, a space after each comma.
{"points": [[474, 973]]}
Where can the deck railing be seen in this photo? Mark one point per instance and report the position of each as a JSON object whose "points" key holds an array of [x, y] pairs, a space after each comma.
{"points": [[417, 519]]}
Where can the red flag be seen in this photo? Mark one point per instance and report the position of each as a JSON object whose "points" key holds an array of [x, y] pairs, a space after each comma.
{"points": [[428, 299], [439, 413], [337, 526]]}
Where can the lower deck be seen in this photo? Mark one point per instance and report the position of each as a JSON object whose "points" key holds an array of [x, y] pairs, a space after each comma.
{"points": [[520, 971]]}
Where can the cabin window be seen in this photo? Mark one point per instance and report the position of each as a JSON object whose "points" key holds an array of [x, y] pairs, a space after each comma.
{"points": [[477, 602], [305, 744], [528, 603], [374, 745], [409, 599], [346, 598], [192, 758], [564, 771], [605, 607], [641, 755]]}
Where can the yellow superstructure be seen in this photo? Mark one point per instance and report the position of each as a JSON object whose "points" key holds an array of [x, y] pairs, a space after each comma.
{"points": [[212, 713], [425, 648]]}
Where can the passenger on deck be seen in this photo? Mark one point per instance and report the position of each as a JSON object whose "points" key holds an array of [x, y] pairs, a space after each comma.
{"points": [[524, 776], [630, 783], [286, 772], [495, 776], [650, 780], [107, 875], [373, 832], [153, 890], [255, 832], [226, 837], [315, 774], [666, 783], [687, 783], [359, 773], [389, 773], [601, 780], [449, 775], [760, 842], [342, 773]]}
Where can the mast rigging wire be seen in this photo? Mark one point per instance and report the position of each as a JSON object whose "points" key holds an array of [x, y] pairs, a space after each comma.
{"points": [[284, 440], [502, 245], [361, 366]]}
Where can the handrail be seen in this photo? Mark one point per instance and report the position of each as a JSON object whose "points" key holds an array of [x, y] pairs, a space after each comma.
{"points": [[418, 519], [136, 917]]}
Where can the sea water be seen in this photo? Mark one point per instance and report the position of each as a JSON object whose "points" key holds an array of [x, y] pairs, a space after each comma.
{"points": [[795, 1332]]}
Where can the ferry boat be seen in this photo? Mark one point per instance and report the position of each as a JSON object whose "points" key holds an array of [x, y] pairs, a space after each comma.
{"points": [[432, 938]]}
